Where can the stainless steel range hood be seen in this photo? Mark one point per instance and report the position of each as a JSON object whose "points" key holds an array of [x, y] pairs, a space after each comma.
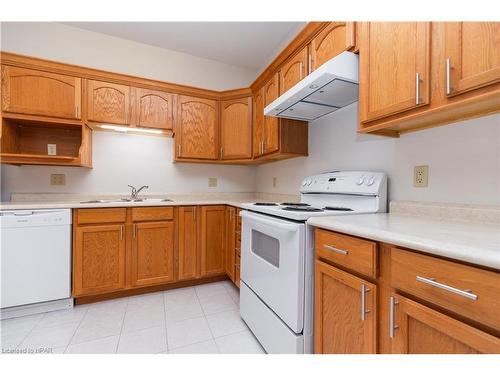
{"points": [[332, 86]]}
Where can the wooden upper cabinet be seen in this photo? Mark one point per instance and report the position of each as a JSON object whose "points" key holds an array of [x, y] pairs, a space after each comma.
{"points": [[421, 330], [212, 239], [335, 38], [98, 259], [196, 128], [187, 237], [271, 124], [108, 103], [152, 257], [258, 122], [472, 49], [394, 68], [236, 129], [294, 70], [154, 109], [33, 92], [345, 320]]}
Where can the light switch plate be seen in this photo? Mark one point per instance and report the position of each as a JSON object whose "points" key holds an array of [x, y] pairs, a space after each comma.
{"points": [[51, 149], [421, 176], [58, 179], [212, 182]]}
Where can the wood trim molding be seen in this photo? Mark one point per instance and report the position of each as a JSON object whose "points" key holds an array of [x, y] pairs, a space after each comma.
{"points": [[301, 40]]}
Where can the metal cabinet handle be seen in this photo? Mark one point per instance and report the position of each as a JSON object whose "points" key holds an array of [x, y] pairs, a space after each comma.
{"points": [[121, 232], [417, 88], [392, 303], [448, 76], [221, 153], [364, 311], [134, 230], [464, 293], [335, 250]]}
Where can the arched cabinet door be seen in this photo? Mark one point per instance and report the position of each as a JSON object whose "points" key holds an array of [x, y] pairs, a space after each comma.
{"points": [[236, 129], [294, 70], [33, 92], [108, 103], [271, 124], [196, 130], [335, 38], [154, 109], [258, 122]]}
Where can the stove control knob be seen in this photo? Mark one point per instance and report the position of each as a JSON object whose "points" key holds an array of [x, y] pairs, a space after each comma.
{"points": [[361, 180], [371, 181]]}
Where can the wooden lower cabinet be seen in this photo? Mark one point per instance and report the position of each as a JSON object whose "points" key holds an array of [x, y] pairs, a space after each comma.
{"points": [[187, 243], [422, 330], [98, 259], [230, 253], [212, 240], [152, 257], [344, 312]]}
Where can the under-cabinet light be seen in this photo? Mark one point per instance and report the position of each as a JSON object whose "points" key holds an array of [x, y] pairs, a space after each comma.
{"points": [[124, 129]]}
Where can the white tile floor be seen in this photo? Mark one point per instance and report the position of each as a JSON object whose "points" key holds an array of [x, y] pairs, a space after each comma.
{"points": [[195, 320]]}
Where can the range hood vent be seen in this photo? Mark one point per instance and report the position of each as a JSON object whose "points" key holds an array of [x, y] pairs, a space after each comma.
{"points": [[332, 86]]}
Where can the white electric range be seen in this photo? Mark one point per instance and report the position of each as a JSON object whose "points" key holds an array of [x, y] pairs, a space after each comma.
{"points": [[277, 254]]}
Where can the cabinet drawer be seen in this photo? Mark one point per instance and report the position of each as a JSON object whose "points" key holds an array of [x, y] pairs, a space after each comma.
{"points": [[100, 215], [468, 291], [350, 252], [152, 213]]}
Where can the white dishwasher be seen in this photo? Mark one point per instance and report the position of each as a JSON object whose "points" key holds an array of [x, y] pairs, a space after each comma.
{"points": [[35, 258]]}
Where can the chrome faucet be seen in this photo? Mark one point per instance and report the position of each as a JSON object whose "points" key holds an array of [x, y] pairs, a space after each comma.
{"points": [[134, 194]]}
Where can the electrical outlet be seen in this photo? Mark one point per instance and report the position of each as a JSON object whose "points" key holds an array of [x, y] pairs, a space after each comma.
{"points": [[51, 149], [275, 182], [421, 176], [212, 182], [58, 179]]}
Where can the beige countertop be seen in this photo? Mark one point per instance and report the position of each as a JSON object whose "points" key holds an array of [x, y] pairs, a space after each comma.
{"points": [[472, 242]]}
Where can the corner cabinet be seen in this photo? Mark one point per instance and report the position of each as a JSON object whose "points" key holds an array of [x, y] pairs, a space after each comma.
{"points": [[34, 92], [187, 243], [236, 129], [196, 129], [212, 240]]}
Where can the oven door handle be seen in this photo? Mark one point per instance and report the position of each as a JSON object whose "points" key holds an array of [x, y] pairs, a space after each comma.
{"points": [[262, 220]]}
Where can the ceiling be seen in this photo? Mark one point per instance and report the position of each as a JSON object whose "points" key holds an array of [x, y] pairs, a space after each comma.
{"points": [[249, 45]]}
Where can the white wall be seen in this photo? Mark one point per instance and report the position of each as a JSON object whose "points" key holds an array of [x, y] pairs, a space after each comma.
{"points": [[463, 159], [122, 159], [71, 45]]}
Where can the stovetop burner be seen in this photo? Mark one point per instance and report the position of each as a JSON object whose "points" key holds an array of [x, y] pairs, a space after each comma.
{"points": [[329, 208], [295, 204], [265, 204], [302, 209]]}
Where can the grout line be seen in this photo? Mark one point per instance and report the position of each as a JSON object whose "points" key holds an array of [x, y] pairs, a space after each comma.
{"points": [[165, 320], [121, 328], [76, 330], [31, 330]]}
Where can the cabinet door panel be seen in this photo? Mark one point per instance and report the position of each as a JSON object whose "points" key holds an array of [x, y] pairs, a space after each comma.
{"points": [[392, 54], [236, 129], [258, 122], [472, 48], [33, 92], [197, 129], [108, 102], [188, 243], [293, 70], [212, 237], [154, 109], [230, 242], [271, 124], [338, 324], [421, 330], [336, 38], [152, 253], [98, 259]]}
